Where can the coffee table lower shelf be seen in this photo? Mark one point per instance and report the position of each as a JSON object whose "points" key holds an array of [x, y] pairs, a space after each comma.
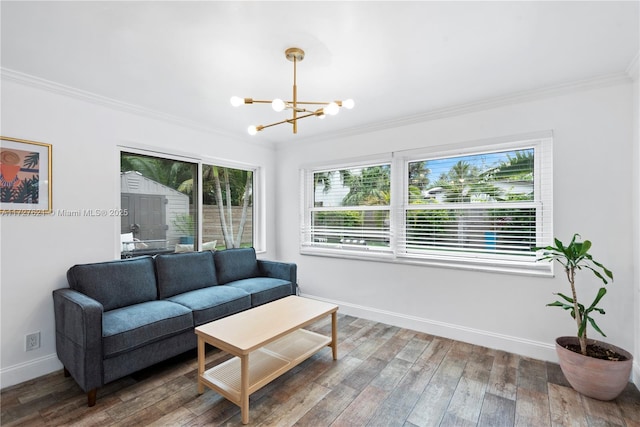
{"points": [[265, 364]]}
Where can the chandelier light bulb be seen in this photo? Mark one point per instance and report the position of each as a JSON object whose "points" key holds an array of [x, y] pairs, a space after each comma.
{"points": [[332, 109], [278, 104], [236, 101], [299, 109]]}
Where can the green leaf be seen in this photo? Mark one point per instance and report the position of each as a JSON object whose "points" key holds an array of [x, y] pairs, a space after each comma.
{"points": [[560, 304], [583, 326], [601, 293], [595, 326], [559, 245], [606, 271], [566, 298]]}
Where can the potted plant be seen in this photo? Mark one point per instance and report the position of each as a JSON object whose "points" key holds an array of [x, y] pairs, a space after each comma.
{"points": [[593, 368], [186, 225]]}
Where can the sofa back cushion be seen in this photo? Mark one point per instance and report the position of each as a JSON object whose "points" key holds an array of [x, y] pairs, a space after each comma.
{"points": [[236, 264], [116, 284], [184, 272]]}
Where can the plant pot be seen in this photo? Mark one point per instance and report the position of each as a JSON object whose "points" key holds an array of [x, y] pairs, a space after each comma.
{"points": [[186, 240], [596, 378]]}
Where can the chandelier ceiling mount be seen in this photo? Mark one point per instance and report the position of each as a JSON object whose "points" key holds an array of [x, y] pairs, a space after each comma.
{"points": [[298, 108]]}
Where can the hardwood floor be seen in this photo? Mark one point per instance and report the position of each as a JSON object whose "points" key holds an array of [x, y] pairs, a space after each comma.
{"points": [[385, 376]]}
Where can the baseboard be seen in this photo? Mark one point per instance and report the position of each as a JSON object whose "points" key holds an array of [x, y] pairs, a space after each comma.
{"points": [[534, 349], [26, 371]]}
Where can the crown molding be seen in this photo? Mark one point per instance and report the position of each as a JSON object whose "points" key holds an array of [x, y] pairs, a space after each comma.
{"points": [[484, 104], [445, 112], [60, 89]]}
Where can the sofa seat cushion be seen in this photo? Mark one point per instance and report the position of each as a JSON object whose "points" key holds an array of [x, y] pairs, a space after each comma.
{"points": [[116, 284], [127, 328], [236, 264], [263, 289], [183, 272], [214, 302]]}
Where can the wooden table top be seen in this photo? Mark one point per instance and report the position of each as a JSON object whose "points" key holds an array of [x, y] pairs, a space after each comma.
{"points": [[244, 332]]}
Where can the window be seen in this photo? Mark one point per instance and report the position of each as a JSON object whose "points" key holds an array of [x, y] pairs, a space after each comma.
{"points": [[227, 207], [159, 198], [349, 208], [169, 206], [470, 206]]}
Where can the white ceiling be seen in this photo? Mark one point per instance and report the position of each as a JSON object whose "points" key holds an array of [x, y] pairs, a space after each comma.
{"points": [[396, 59]]}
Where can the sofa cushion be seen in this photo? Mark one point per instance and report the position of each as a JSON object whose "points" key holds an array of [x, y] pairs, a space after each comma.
{"points": [[127, 328], [236, 264], [263, 289], [214, 302], [115, 284], [184, 272]]}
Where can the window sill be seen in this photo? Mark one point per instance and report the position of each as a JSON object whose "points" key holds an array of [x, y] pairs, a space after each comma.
{"points": [[543, 269]]}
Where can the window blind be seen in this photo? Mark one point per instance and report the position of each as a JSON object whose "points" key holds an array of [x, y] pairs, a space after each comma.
{"points": [[349, 208], [473, 205], [492, 205]]}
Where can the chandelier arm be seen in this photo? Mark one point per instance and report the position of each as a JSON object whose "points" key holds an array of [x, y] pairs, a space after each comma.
{"points": [[292, 120], [316, 102], [295, 97], [302, 110], [262, 101]]}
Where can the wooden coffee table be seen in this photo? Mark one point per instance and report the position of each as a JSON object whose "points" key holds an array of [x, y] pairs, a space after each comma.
{"points": [[267, 341]]}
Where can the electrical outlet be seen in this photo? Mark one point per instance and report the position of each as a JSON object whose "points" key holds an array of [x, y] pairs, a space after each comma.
{"points": [[32, 341]]}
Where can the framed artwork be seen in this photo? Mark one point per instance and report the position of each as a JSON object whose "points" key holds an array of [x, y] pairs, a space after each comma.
{"points": [[25, 177]]}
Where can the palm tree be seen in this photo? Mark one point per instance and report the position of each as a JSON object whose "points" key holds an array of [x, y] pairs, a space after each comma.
{"points": [[370, 187], [418, 181], [224, 199], [225, 188], [457, 182], [165, 171], [518, 167]]}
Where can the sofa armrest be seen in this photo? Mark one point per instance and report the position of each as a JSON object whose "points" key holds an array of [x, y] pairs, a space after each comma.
{"points": [[79, 336], [280, 270]]}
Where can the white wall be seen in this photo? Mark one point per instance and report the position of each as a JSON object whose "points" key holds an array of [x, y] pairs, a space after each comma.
{"points": [[37, 251], [635, 73], [592, 196], [593, 161]]}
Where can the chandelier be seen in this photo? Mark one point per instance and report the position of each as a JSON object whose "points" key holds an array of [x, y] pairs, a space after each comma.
{"points": [[298, 108]]}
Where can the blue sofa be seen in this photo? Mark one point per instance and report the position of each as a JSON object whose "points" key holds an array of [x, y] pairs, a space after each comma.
{"points": [[118, 317]]}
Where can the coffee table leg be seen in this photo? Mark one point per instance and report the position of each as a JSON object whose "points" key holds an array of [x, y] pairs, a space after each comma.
{"points": [[201, 345], [244, 388], [334, 334]]}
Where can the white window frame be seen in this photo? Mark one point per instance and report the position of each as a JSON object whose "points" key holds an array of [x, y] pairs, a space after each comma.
{"points": [[308, 208], [541, 142], [259, 190]]}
